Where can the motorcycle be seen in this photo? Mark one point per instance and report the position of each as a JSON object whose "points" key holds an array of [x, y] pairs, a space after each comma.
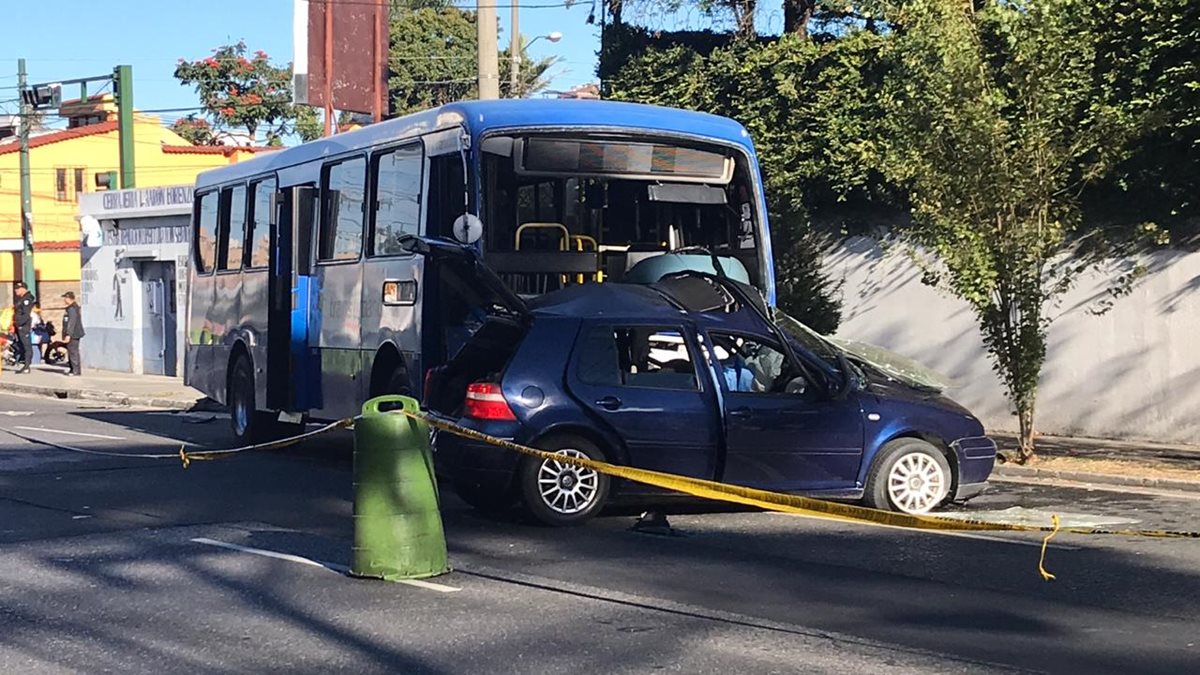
{"points": [[53, 352]]}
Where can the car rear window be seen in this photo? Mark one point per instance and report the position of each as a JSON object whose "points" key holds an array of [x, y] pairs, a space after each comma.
{"points": [[636, 356]]}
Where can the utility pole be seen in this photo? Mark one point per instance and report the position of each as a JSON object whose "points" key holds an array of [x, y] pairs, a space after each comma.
{"points": [[328, 61], [514, 51], [123, 91], [26, 114], [489, 66]]}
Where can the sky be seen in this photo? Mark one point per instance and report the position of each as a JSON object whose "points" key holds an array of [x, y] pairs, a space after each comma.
{"points": [[82, 38]]}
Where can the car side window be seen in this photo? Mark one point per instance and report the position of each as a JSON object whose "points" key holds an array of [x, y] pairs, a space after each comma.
{"points": [[752, 366], [637, 356]]}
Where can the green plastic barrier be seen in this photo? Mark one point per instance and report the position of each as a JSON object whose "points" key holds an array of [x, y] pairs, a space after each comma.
{"points": [[397, 525]]}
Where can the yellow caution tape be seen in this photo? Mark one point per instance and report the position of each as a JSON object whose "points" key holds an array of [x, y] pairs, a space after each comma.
{"points": [[185, 457], [782, 502], [1046, 576]]}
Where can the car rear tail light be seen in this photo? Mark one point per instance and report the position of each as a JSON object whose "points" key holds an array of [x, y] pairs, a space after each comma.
{"points": [[486, 402]]}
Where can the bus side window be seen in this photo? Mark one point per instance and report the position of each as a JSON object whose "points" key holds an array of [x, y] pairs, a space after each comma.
{"points": [[445, 199], [396, 176], [205, 235], [232, 229], [342, 201], [258, 229]]}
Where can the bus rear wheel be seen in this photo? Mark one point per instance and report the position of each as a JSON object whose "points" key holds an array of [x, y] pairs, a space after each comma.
{"points": [[248, 425]]}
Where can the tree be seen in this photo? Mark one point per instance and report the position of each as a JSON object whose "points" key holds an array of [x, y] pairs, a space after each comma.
{"points": [[433, 60], [993, 130], [194, 130], [240, 92]]}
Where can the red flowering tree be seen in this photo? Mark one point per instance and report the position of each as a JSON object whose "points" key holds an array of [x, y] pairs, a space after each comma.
{"points": [[195, 130], [240, 91]]}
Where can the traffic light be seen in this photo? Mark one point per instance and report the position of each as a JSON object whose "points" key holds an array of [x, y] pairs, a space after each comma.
{"points": [[43, 96]]}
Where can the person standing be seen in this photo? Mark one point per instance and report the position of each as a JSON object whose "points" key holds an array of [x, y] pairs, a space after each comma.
{"points": [[72, 333], [23, 323]]}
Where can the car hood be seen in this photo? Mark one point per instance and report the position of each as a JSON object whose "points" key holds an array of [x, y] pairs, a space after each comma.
{"points": [[892, 366]]}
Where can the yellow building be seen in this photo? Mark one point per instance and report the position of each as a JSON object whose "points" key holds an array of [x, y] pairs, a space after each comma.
{"points": [[63, 164]]}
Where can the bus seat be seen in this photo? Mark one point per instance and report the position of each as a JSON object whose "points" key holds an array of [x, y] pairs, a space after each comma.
{"points": [[650, 269], [540, 237]]}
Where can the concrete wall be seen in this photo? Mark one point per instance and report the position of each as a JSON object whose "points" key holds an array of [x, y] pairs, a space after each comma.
{"points": [[1131, 373]]}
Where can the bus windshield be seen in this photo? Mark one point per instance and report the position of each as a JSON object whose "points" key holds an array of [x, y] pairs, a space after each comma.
{"points": [[574, 208]]}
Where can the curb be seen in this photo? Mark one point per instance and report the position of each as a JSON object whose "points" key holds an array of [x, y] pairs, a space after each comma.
{"points": [[116, 397], [1101, 478]]}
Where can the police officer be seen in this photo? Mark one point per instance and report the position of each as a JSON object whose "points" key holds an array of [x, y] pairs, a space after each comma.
{"points": [[23, 323], [72, 333]]}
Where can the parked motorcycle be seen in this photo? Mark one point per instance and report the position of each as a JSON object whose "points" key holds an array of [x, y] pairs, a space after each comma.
{"points": [[53, 352]]}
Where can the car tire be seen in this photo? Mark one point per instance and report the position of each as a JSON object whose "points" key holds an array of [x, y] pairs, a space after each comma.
{"points": [[562, 495], [909, 475], [484, 498], [248, 425]]}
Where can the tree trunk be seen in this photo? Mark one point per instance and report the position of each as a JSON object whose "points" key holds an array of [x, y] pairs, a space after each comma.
{"points": [[796, 15], [614, 11], [1025, 419], [743, 14]]}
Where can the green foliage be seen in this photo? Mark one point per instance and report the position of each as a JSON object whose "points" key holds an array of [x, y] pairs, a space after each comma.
{"points": [[1148, 63], [237, 91], [432, 60], [992, 128]]}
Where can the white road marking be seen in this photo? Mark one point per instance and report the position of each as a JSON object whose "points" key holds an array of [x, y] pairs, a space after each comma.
{"points": [[71, 433], [17, 413], [341, 569]]}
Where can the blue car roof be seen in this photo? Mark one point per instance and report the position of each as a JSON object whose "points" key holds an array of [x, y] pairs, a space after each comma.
{"points": [[618, 301], [634, 302]]}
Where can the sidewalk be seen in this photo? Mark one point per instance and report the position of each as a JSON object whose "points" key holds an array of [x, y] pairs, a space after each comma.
{"points": [[1108, 462], [154, 391]]}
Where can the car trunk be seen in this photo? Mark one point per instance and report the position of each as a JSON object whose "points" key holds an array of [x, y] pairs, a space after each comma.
{"points": [[503, 321], [483, 358]]}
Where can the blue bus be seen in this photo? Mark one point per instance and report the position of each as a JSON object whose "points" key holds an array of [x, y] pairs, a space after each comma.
{"points": [[302, 303]]}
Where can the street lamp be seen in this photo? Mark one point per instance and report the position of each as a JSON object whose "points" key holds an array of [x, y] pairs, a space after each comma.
{"points": [[515, 49]]}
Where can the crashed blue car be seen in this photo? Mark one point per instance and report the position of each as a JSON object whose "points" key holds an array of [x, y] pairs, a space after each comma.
{"points": [[691, 374]]}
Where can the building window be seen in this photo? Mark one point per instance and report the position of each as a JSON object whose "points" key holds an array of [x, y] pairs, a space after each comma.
{"points": [[342, 201], [397, 180], [80, 182], [259, 225], [233, 229], [60, 184]]}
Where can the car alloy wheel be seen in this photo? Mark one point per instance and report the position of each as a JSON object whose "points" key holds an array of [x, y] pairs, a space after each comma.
{"points": [[567, 489], [916, 483]]}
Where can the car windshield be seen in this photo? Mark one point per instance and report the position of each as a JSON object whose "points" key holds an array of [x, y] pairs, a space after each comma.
{"points": [[809, 339]]}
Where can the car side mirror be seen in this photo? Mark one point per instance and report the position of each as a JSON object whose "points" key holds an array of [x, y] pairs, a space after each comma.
{"points": [[797, 385]]}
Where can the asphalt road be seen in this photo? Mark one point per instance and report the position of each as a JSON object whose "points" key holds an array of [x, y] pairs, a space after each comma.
{"points": [[101, 570]]}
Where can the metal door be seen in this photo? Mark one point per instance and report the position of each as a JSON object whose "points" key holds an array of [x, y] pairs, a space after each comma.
{"points": [[170, 321], [289, 378], [153, 322], [667, 418]]}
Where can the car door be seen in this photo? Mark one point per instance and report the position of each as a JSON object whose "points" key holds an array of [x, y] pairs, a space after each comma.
{"points": [[641, 381], [782, 431]]}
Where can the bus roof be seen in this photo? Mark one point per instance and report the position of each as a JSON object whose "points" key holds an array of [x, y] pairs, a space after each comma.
{"points": [[480, 117]]}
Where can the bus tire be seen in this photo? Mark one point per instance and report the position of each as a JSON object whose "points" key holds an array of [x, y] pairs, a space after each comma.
{"points": [[248, 425]]}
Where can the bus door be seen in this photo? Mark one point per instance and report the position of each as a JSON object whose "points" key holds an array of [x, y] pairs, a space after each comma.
{"points": [[292, 379]]}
